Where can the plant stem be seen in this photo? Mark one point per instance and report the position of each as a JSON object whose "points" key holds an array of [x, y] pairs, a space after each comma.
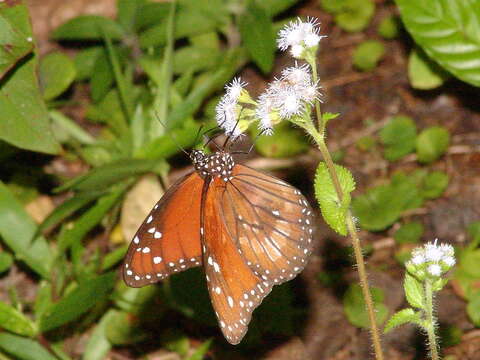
{"points": [[430, 325], [319, 137]]}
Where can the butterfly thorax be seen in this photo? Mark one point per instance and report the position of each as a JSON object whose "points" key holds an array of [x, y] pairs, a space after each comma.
{"points": [[219, 164]]}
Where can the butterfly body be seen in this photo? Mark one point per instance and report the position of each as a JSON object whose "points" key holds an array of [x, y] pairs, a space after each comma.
{"points": [[249, 230]]}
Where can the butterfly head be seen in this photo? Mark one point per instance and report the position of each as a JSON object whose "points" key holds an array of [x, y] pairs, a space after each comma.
{"points": [[219, 164]]}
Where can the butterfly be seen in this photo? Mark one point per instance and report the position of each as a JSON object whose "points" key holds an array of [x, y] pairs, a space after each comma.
{"points": [[249, 231]]}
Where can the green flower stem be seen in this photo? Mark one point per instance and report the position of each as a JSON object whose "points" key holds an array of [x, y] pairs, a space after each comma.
{"points": [[430, 323], [319, 137]]}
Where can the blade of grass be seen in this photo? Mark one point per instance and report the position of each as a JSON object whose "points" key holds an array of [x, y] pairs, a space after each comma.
{"points": [[112, 258], [14, 321], [71, 127], [78, 301], [89, 219], [126, 99], [104, 176], [23, 348], [17, 230], [234, 59], [68, 208], [162, 97]]}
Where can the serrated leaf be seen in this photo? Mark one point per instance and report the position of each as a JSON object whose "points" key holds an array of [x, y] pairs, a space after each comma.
{"points": [[333, 210], [368, 54], [404, 316], [88, 27], [256, 28], [432, 143], [439, 284], [448, 31], [398, 136], [414, 291], [424, 73]]}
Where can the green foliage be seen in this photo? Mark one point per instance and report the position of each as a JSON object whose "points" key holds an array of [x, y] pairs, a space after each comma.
{"points": [[414, 291], [24, 119], [389, 27], [423, 73], [256, 28], [402, 317], [6, 260], [368, 54], [439, 28], [23, 349], [409, 233], [333, 210], [432, 143], [382, 205], [398, 137], [355, 308], [366, 143], [352, 15], [473, 308], [284, 142], [56, 73], [14, 321], [88, 27]]}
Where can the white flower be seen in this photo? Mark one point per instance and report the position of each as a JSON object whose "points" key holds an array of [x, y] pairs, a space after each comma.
{"points": [[433, 252], [227, 110], [447, 249], [434, 270], [264, 113], [449, 261], [298, 36], [418, 259]]}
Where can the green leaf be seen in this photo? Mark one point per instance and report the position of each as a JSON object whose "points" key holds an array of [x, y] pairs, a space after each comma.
{"points": [[24, 349], [355, 308], [285, 142], [123, 329], [432, 143], [367, 55], [473, 309], [332, 6], [104, 176], [333, 210], [256, 29], [448, 31], [85, 60], [14, 44], [114, 257], [409, 233], [201, 351], [102, 77], [88, 27], [98, 345], [127, 11], [71, 128], [78, 301], [151, 14], [434, 185], [355, 15], [275, 7], [389, 27], [402, 317], [414, 291], [474, 231], [469, 260], [398, 136], [68, 208], [56, 73], [14, 321], [6, 260], [18, 229], [195, 58], [24, 120], [423, 73]]}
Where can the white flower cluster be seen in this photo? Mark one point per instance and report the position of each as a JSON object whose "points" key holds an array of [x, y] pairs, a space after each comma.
{"points": [[431, 259], [227, 110], [287, 96], [299, 36]]}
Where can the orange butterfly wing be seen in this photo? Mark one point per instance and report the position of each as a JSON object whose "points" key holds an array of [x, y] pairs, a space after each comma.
{"points": [[168, 241], [253, 239]]}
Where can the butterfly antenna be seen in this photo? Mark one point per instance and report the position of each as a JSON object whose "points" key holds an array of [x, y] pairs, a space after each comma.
{"points": [[174, 140], [230, 134], [251, 146]]}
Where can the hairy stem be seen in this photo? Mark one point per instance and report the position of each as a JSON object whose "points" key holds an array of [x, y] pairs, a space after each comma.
{"points": [[319, 137], [430, 325]]}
